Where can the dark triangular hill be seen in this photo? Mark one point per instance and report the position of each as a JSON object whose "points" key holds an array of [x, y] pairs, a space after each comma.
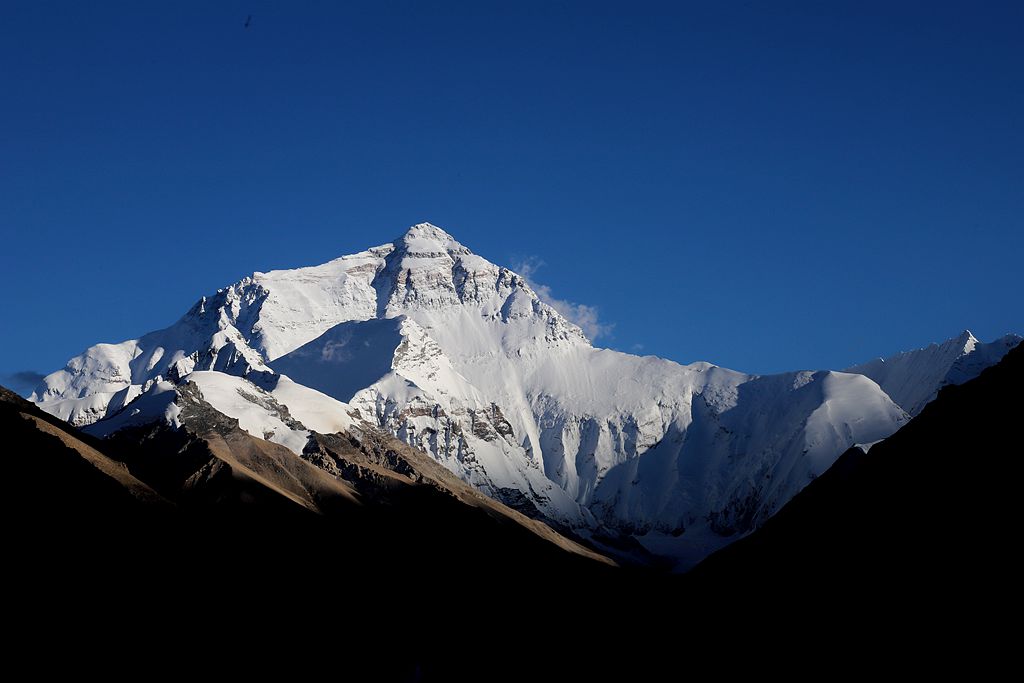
{"points": [[50, 466]]}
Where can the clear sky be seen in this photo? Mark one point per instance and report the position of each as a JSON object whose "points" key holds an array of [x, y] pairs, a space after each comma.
{"points": [[766, 186]]}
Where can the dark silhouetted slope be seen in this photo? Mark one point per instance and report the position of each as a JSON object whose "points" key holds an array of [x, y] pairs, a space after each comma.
{"points": [[930, 514]]}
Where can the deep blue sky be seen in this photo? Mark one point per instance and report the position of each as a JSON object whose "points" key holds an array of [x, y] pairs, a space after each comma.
{"points": [[767, 186]]}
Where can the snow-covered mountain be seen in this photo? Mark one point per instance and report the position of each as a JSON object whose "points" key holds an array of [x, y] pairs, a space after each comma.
{"points": [[460, 357], [913, 378]]}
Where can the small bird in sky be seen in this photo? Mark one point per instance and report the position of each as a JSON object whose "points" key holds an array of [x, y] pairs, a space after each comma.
{"points": [[248, 21]]}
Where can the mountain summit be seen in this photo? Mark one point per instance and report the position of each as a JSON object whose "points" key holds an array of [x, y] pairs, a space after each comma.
{"points": [[460, 358], [913, 378]]}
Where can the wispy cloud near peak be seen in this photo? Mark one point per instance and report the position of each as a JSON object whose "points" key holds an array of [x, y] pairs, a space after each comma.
{"points": [[586, 317]]}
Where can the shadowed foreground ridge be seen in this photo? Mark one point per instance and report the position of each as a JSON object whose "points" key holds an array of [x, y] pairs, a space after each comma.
{"points": [[209, 523], [370, 489]]}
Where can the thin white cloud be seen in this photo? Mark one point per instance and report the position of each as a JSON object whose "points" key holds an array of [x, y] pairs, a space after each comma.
{"points": [[584, 316], [22, 382]]}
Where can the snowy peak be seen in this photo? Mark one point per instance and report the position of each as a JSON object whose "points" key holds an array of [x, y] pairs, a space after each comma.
{"points": [[425, 240], [469, 304], [967, 341], [962, 344], [977, 356], [459, 358], [914, 378], [428, 269], [429, 276], [107, 377]]}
